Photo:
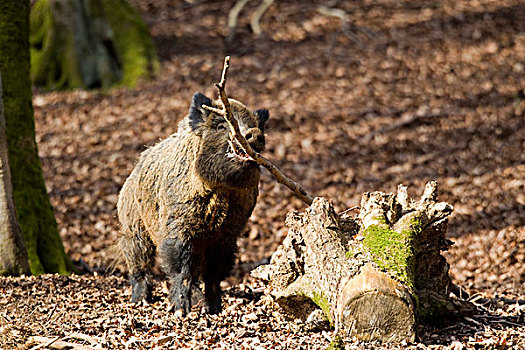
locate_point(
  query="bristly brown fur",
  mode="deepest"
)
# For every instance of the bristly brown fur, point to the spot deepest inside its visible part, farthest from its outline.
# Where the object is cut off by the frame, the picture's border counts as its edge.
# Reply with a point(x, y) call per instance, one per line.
point(187, 200)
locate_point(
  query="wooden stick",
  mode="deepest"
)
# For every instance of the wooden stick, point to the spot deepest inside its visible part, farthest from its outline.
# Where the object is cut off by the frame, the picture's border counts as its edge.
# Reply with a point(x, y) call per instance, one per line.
point(56, 343)
point(236, 133)
point(45, 342)
point(257, 14)
point(232, 19)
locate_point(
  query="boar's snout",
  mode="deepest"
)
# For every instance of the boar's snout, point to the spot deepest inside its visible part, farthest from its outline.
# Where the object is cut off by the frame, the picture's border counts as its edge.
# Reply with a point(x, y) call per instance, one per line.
point(255, 138)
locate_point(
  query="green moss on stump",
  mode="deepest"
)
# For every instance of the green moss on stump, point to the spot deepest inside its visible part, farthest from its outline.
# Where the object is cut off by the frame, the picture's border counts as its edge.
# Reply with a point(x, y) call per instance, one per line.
point(392, 251)
point(337, 343)
point(320, 300)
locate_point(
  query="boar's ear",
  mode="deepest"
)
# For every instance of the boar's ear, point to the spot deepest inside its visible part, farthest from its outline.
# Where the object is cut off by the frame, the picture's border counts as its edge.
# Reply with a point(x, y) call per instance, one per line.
point(197, 113)
point(263, 115)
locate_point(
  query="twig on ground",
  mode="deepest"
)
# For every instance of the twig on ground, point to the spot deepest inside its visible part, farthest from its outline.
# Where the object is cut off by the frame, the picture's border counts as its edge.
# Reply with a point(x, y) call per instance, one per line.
point(51, 313)
point(7, 318)
point(508, 323)
point(478, 299)
point(471, 320)
point(157, 340)
point(56, 343)
point(83, 337)
point(255, 19)
point(332, 12)
point(511, 301)
point(236, 134)
point(405, 120)
point(253, 264)
point(348, 28)
point(45, 342)
point(257, 14)
point(232, 19)
point(459, 292)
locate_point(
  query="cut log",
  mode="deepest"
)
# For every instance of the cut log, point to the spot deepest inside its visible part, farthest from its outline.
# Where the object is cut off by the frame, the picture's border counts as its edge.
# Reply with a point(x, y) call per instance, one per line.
point(375, 276)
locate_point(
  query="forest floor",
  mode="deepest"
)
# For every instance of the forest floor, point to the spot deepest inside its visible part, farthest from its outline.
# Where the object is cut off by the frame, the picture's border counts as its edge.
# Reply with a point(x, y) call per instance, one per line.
point(398, 92)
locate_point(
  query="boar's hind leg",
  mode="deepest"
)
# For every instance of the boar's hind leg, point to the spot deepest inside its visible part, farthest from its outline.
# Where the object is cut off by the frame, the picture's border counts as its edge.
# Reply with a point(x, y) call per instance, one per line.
point(139, 254)
point(175, 255)
point(218, 266)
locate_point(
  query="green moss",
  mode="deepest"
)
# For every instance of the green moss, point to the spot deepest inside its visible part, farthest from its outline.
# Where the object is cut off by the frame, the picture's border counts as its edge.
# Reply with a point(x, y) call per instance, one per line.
point(337, 343)
point(36, 217)
point(53, 58)
point(41, 24)
point(392, 251)
point(133, 41)
point(353, 250)
point(320, 300)
point(382, 220)
point(121, 50)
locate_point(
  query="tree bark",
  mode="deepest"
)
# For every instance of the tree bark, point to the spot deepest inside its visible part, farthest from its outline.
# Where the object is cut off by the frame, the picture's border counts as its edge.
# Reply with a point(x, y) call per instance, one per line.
point(373, 277)
point(13, 260)
point(35, 214)
point(89, 44)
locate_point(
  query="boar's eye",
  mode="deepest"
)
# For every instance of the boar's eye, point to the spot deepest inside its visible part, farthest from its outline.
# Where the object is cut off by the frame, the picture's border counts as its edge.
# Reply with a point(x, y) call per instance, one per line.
point(221, 126)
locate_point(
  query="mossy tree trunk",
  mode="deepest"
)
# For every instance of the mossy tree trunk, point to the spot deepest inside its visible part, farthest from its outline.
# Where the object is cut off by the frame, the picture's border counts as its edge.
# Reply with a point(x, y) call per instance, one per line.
point(35, 214)
point(13, 257)
point(373, 277)
point(89, 44)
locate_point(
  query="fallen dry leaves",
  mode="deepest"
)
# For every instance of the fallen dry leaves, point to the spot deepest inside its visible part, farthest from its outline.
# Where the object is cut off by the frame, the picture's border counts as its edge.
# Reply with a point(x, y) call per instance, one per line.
point(403, 92)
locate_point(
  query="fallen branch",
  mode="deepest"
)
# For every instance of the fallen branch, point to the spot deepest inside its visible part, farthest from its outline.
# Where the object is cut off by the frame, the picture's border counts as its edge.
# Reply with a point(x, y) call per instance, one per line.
point(56, 343)
point(83, 337)
point(257, 14)
point(332, 12)
point(255, 18)
point(404, 121)
point(236, 134)
point(232, 19)
point(157, 340)
point(44, 344)
point(348, 29)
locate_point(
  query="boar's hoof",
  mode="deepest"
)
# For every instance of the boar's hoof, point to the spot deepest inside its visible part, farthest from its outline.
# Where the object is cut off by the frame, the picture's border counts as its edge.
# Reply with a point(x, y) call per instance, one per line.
point(214, 308)
point(141, 290)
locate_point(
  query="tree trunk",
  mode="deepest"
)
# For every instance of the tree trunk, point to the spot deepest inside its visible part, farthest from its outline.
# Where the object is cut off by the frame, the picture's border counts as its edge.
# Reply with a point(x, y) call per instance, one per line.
point(13, 260)
point(89, 44)
point(373, 277)
point(35, 215)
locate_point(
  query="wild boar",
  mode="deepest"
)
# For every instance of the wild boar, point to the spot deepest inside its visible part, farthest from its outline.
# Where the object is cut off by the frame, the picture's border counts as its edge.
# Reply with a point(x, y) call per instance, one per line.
point(187, 201)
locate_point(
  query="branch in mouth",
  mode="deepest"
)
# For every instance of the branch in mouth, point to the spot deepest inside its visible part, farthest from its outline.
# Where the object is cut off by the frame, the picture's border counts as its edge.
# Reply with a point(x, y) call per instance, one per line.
point(235, 151)
point(236, 135)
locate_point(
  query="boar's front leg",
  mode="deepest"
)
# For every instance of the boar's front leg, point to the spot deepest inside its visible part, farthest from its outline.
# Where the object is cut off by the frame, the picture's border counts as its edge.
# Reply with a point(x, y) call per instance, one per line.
point(219, 262)
point(176, 259)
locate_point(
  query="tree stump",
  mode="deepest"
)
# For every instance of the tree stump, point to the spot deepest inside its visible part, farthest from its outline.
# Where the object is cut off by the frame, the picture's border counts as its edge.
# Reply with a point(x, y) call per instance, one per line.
point(373, 277)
